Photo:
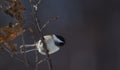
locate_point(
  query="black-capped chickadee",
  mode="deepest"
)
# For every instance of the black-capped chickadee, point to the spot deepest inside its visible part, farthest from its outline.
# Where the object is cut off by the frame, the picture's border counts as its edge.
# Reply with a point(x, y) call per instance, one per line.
point(53, 43)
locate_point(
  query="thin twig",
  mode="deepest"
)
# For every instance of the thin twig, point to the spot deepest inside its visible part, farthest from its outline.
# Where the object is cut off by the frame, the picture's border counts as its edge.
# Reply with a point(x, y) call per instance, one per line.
point(36, 53)
point(24, 54)
point(18, 58)
point(35, 10)
point(49, 21)
point(7, 49)
point(39, 62)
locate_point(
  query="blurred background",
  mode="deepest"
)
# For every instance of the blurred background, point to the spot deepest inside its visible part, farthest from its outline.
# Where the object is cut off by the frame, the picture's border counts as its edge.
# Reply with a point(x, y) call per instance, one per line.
point(90, 27)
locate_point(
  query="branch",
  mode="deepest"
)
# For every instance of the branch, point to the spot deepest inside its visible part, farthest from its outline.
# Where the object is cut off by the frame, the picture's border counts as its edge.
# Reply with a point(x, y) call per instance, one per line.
point(49, 21)
point(35, 10)
point(36, 53)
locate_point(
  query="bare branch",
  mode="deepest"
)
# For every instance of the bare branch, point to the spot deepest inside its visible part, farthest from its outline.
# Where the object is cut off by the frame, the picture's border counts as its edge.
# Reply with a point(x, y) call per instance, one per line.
point(48, 22)
point(37, 21)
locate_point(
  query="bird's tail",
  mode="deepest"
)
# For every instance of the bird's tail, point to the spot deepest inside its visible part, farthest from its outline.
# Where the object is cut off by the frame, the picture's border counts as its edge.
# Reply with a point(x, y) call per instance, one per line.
point(27, 46)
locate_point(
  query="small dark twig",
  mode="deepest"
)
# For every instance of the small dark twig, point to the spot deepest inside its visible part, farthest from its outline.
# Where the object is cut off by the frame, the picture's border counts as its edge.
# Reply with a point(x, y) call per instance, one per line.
point(49, 21)
point(36, 53)
point(24, 54)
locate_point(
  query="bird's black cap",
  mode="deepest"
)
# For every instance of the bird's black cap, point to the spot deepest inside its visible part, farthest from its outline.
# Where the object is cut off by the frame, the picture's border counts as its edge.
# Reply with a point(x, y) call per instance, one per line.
point(61, 38)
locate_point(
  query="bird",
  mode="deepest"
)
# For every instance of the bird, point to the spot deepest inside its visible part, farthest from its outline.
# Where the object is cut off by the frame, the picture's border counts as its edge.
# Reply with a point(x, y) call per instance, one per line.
point(53, 43)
